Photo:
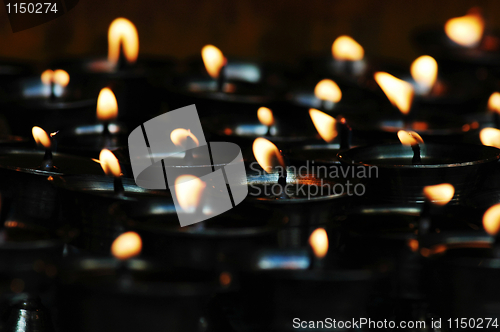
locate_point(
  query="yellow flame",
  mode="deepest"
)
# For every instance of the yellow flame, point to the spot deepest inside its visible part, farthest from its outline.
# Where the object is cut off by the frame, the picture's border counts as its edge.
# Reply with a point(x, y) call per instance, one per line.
point(41, 137)
point(107, 107)
point(319, 242)
point(61, 77)
point(409, 138)
point(490, 137)
point(109, 163)
point(126, 246)
point(325, 124)
point(439, 194)
point(491, 220)
point(265, 116)
point(47, 76)
point(465, 30)
point(213, 59)
point(399, 92)
point(179, 137)
point(189, 190)
point(122, 32)
point(346, 48)
point(328, 90)
point(424, 71)
point(267, 154)
point(494, 102)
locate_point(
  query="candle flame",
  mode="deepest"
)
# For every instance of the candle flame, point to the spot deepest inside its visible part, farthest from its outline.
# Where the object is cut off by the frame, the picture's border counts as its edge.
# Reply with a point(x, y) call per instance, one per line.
point(490, 137)
point(325, 124)
point(409, 138)
point(41, 137)
point(109, 163)
point(180, 136)
point(319, 242)
point(267, 154)
point(424, 71)
point(439, 194)
point(465, 30)
point(126, 246)
point(399, 92)
point(494, 102)
point(59, 77)
point(189, 190)
point(213, 59)
point(265, 116)
point(346, 48)
point(413, 245)
point(107, 107)
point(122, 32)
point(491, 220)
point(328, 90)
point(47, 76)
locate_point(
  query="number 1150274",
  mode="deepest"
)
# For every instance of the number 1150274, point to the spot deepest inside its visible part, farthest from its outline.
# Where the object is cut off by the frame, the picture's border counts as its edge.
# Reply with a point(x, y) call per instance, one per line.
point(31, 8)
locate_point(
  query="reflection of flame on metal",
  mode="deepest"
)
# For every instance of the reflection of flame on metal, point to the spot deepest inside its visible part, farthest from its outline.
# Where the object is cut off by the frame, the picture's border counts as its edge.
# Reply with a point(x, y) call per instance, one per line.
point(328, 90)
point(122, 32)
point(109, 163)
point(41, 137)
point(409, 138)
point(213, 59)
point(267, 154)
point(325, 124)
point(465, 30)
point(439, 194)
point(346, 48)
point(318, 240)
point(399, 92)
point(265, 116)
point(126, 246)
point(225, 279)
point(424, 71)
point(107, 106)
point(491, 220)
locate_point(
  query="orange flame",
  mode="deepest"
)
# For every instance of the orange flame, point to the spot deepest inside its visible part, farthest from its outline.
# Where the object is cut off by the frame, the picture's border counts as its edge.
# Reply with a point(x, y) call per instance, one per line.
point(319, 242)
point(126, 246)
point(490, 137)
point(265, 116)
point(107, 107)
point(188, 190)
point(494, 102)
point(59, 77)
point(399, 92)
point(491, 220)
point(109, 163)
point(179, 137)
point(413, 245)
point(41, 137)
point(424, 71)
point(325, 124)
point(267, 154)
point(213, 59)
point(47, 76)
point(328, 90)
point(465, 30)
point(346, 48)
point(122, 32)
point(409, 138)
point(439, 194)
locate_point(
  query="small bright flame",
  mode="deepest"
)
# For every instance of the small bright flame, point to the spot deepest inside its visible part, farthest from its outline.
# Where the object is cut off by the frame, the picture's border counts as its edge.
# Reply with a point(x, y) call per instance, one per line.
point(346, 48)
point(424, 71)
point(325, 124)
point(265, 116)
point(267, 154)
point(47, 76)
point(494, 102)
point(213, 59)
point(409, 138)
point(319, 242)
point(399, 92)
point(189, 190)
point(41, 137)
point(465, 30)
point(122, 32)
point(413, 245)
point(126, 246)
point(491, 220)
point(490, 137)
point(328, 90)
point(107, 107)
point(180, 136)
point(439, 194)
point(109, 163)
point(61, 77)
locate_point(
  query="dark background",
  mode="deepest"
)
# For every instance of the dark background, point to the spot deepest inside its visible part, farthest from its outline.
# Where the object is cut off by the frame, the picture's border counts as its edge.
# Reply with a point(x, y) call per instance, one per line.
point(262, 29)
